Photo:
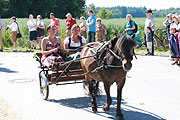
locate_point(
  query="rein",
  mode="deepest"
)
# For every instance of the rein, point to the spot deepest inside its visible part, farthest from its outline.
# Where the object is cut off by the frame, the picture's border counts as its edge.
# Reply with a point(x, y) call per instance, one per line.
point(100, 65)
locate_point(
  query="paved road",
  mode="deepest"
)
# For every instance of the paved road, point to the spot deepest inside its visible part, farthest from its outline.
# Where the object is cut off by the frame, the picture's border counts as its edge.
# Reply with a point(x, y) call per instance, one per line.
point(151, 92)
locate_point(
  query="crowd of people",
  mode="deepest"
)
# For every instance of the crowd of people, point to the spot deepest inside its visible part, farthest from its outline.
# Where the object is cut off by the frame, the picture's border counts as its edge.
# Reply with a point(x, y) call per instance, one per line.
point(172, 25)
point(76, 34)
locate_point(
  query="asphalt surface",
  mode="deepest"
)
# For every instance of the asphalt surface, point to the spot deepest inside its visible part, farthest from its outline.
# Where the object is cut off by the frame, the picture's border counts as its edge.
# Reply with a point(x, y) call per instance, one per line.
point(151, 92)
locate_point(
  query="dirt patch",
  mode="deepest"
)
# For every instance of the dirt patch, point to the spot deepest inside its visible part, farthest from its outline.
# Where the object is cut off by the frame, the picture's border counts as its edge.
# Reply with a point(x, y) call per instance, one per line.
point(6, 112)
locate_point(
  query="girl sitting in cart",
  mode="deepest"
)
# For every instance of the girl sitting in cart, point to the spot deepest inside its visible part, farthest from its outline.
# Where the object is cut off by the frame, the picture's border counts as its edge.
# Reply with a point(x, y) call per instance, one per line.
point(74, 42)
point(50, 47)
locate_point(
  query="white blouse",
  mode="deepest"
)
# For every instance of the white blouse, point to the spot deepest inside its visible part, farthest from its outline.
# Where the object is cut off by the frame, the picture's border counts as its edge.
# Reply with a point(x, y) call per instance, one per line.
point(72, 44)
point(30, 24)
point(13, 26)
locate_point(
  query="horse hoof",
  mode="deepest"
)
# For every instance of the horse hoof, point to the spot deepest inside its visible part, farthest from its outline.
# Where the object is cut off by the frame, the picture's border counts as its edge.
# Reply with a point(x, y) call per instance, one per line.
point(120, 118)
point(94, 109)
point(105, 108)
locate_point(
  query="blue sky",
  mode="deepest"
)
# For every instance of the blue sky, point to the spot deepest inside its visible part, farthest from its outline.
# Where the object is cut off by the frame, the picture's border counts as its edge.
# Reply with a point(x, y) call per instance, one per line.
point(150, 4)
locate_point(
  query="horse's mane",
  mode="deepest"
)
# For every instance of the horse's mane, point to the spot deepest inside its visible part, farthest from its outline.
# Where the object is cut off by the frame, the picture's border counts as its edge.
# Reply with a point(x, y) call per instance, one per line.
point(124, 41)
point(127, 42)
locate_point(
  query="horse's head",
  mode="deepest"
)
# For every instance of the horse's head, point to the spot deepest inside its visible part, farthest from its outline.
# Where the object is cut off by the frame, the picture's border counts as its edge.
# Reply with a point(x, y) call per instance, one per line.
point(124, 48)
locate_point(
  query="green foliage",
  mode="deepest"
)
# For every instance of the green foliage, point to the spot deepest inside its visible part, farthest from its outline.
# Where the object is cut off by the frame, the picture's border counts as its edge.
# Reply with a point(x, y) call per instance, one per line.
point(104, 14)
point(92, 7)
point(22, 8)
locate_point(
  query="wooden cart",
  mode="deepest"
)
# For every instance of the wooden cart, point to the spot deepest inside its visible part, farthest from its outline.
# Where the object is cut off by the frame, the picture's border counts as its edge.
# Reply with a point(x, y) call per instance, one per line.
point(68, 72)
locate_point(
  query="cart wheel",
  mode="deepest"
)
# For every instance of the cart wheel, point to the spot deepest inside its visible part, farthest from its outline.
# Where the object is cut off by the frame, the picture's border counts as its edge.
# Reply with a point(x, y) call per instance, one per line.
point(44, 87)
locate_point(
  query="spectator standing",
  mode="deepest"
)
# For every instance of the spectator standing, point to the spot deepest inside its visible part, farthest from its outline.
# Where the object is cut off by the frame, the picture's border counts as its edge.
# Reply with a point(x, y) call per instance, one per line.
point(55, 21)
point(130, 25)
point(69, 23)
point(32, 31)
point(149, 32)
point(167, 23)
point(1, 28)
point(101, 30)
point(91, 22)
point(174, 43)
point(83, 27)
point(14, 29)
point(40, 30)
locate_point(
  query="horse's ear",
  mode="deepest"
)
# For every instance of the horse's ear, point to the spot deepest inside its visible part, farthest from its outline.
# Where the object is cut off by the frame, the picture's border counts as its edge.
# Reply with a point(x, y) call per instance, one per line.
point(133, 35)
point(116, 34)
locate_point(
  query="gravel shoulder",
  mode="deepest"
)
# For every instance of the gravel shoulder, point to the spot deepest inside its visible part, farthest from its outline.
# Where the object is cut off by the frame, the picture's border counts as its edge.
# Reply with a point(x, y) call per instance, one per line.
point(6, 112)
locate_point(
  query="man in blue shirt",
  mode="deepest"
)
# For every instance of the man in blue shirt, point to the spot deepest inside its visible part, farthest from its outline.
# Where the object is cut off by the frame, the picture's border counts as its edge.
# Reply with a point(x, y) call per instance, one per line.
point(91, 22)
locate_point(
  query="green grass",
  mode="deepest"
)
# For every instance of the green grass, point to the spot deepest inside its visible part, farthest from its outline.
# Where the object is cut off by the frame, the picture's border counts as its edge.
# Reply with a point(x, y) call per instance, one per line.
point(113, 26)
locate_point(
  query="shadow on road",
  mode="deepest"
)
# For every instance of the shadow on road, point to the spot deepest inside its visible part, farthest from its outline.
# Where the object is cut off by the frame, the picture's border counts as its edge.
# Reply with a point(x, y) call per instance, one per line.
point(7, 70)
point(129, 114)
point(22, 80)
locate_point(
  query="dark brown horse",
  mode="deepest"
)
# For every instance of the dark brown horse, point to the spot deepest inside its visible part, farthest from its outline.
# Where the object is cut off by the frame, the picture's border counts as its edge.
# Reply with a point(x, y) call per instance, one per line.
point(112, 64)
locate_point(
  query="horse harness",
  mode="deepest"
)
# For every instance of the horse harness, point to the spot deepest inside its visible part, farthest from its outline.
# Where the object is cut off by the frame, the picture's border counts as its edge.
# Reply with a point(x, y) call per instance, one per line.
point(101, 60)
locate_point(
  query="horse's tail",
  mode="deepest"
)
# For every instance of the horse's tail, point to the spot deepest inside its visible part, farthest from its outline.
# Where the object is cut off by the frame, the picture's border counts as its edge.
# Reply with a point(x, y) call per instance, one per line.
point(96, 90)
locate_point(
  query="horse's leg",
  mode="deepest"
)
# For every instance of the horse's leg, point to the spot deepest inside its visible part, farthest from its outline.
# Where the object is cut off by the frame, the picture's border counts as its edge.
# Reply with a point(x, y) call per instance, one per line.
point(96, 87)
point(108, 97)
point(119, 115)
point(92, 94)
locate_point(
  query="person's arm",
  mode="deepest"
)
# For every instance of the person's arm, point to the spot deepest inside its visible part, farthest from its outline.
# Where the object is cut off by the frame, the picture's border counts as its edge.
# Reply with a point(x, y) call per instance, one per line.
point(66, 42)
point(152, 24)
point(43, 46)
point(75, 21)
point(42, 27)
point(91, 23)
point(67, 24)
point(133, 27)
point(58, 24)
point(28, 24)
point(83, 41)
point(105, 30)
point(164, 23)
point(60, 42)
point(2, 25)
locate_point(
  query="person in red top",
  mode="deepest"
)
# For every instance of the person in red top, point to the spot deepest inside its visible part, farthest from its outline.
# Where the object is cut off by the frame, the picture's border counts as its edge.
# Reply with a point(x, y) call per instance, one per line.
point(55, 21)
point(69, 23)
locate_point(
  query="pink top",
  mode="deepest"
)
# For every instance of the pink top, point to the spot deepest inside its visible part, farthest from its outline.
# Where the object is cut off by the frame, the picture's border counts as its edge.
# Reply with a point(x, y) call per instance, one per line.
point(50, 46)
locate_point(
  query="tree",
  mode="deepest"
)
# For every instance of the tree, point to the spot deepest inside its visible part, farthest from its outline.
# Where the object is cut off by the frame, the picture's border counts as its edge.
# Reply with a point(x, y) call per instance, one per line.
point(109, 14)
point(22, 8)
point(3, 7)
point(92, 7)
point(104, 14)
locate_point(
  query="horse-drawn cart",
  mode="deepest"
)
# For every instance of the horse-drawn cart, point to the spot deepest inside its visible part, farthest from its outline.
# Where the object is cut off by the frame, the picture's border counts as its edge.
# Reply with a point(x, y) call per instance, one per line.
point(60, 73)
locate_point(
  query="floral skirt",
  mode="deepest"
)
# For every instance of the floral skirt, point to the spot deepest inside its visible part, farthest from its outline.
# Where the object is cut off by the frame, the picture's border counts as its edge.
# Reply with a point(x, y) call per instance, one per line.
point(50, 60)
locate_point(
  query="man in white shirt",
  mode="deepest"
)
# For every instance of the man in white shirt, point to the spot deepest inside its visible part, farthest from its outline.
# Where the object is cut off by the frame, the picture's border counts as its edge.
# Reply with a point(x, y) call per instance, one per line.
point(1, 28)
point(14, 29)
point(149, 32)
